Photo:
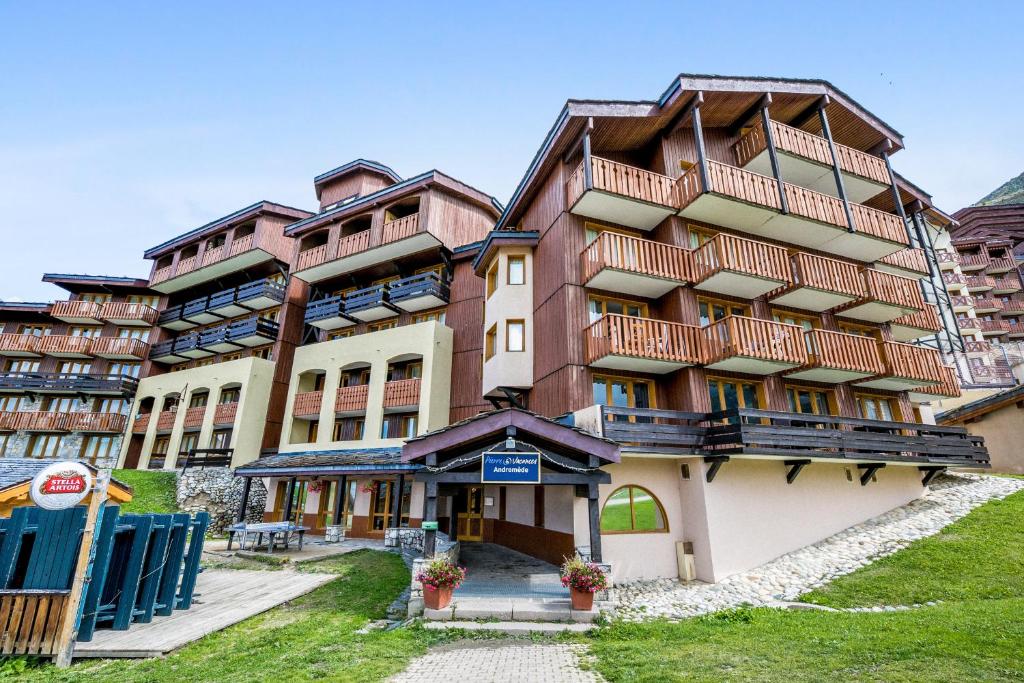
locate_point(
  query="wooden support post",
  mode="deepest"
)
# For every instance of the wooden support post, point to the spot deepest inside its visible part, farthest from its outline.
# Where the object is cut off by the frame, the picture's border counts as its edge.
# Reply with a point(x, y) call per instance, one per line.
point(289, 493)
point(869, 471)
point(339, 498)
point(837, 172)
point(430, 515)
point(396, 502)
point(698, 139)
point(773, 156)
point(795, 467)
point(246, 487)
point(896, 199)
point(594, 513)
point(588, 168)
point(73, 610)
point(716, 463)
point(929, 474)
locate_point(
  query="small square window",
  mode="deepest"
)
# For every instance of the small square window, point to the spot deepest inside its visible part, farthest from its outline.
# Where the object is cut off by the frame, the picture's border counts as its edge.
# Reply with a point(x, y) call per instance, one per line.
point(517, 270)
point(515, 335)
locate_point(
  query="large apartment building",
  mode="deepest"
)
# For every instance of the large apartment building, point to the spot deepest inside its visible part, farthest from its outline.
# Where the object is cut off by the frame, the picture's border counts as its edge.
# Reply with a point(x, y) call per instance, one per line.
point(715, 320)
point(70, 368)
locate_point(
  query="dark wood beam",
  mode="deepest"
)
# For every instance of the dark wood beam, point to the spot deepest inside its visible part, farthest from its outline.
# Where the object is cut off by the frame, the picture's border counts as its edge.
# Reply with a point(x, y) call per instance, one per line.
point(339, 498)
point(702, 155)
point(679, 120)
point(588, 168)
point(598, 477)
point(594, 514)
point(716, 462)
point(773, 155)
point(587, 128)
point(837, 173)
point(929, 474)
point(748, 115)
point(869, 471)
point(246, 486)
point(896, 198)
point(288, 493)
point(795, 467)
point(810, 112)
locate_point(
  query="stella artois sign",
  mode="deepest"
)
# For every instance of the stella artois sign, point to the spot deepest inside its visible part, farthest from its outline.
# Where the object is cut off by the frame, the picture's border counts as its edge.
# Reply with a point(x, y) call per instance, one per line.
point(61, 485)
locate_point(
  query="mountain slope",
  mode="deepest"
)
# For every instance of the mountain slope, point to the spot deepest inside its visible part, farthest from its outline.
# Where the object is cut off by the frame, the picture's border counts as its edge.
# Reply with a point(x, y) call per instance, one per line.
point(1010, 192)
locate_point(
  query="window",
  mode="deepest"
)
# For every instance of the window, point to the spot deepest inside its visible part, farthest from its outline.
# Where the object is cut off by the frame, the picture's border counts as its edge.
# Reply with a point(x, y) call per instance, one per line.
point(221, 438)
point(593, 231)
point(35, 330)
point(23, 366)
point(133, 333)
point(517, 270)
point(631, 510)
point(266, 353)
point(355, 378)
point(4, 438)
point(189, 442)
point(713, 310)
point(198, 400)
point(699, 237)
point(312, 431)
point(380, 504)
point(800, 320)
point(144, 300)
point(599, 306)
point(339, 334)
point(87, 332)
point(492, 278)
point(876, 407)
point(124, 369)
point(348, 429)
point(113, 405)
point(398, 426)
point(411, 370)
point(808, 401)
point(731, 394)
point(74, 368)
point(861, 330)
point(437, 314)
point(623, 393)
point(409, 426)
point(161, 444)
point(385, 325)
point(230, 395)
point(491, 342)
point(95, 298)
point(62, 405)
point(43, 446)
point(97, 448)
point(515, 335)
point(12, 404)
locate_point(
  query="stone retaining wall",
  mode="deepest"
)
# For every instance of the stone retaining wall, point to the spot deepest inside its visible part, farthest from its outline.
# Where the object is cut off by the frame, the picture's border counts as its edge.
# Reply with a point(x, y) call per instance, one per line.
point(219, 492)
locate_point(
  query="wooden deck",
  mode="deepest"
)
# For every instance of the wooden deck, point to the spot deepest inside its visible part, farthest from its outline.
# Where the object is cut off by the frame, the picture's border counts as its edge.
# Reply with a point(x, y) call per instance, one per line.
point(223, 597)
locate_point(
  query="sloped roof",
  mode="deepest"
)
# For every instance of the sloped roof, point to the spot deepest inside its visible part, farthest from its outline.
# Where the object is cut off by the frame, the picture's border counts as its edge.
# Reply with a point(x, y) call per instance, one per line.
point(15, 472)
point(981, 406)
point(341, 461)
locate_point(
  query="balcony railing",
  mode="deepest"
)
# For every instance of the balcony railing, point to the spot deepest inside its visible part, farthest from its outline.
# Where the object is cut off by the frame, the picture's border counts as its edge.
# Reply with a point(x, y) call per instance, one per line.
point(638, 257)
point(911, 362)
point(954, 279)
point(1014, 305)
point(165, 419)
point(402, 393)
point(307, 404)
point(257, 295)
point(211, 256)
point(961, 302)
point(974, 261)
point(994, 327)
point(1001, 265)
point(328, 314)
point(949, 387)
point(12, 344)
point(887, 297)
point(839, 357)
point(739, 256)
point(128, 314)
point(947, 259)
point(354, 243)
point(370, 303)
point(419, 292)
point(351, 399)
point(745, 344)
point(97, 422)
point(68, 383)
point(971, 346)
point(620, 179)
point(225, 413)
point(125, 348)
point(925, 319)
point(141, 423)
point(400, 228)
point(820, 283)
point(76, 311)
point(1006, 284)
point(987, 305)
point(668, 345)
point(63, 346)
point(912, 260)
point(194, 416)
point(46, 421)
point(791, 435)
point(980, 283)
point(968, 324)
point(313, 256)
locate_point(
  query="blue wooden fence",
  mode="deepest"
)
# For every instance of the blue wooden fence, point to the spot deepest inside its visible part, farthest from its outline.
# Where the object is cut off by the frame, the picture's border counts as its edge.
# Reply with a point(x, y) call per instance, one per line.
point(145, 565)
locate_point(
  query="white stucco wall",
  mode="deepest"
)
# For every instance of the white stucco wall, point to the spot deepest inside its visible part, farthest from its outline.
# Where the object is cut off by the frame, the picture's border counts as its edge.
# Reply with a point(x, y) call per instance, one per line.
point(510, 302)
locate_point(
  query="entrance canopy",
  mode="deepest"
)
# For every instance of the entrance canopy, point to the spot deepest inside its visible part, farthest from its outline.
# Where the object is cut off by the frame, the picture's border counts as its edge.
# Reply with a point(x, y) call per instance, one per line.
point(325, 463)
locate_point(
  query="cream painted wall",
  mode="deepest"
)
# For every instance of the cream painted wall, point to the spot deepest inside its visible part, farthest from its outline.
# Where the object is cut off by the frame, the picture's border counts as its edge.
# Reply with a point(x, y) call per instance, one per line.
point(1003, 430)
point(254, 375)
point(510, 302)
point(754, 516)
point(431, 340)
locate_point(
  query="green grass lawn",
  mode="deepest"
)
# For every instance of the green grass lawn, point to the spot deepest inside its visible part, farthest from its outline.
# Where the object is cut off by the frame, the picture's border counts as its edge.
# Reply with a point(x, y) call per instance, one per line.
point(153, 491)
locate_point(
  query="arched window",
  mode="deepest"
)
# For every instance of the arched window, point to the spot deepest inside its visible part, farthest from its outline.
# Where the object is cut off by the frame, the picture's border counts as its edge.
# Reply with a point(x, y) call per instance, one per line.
point(632, 509)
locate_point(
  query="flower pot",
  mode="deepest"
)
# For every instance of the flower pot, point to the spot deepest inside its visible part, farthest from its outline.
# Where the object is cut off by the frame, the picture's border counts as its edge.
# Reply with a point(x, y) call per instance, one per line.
point(581, 600)
point(440, 598)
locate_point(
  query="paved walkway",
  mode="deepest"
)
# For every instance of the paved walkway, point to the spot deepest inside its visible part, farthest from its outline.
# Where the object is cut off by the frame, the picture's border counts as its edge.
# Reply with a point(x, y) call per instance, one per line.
point(500, 662)
point(494, 570)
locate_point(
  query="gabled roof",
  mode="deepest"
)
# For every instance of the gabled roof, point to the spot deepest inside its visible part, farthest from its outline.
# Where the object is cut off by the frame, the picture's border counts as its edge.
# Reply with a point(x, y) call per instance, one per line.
point(16, 472)
point(241, 216)
point(393, 192)
point(631, 125)
point(342, 461)
point(982, 406)
point(502, 238)
point(352, 166)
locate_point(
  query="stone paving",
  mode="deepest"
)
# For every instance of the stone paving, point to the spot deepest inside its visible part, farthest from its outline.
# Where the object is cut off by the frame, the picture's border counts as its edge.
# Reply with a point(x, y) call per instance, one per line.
point(950, 497)
point(500, 661)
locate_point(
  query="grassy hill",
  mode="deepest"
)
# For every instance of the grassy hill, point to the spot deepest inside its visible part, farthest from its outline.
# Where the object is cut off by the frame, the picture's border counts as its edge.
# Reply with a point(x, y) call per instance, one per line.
point(1010, 192)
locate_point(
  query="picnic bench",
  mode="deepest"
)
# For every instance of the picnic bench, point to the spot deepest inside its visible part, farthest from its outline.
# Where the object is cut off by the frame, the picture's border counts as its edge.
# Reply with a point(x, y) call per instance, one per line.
point(276, 533)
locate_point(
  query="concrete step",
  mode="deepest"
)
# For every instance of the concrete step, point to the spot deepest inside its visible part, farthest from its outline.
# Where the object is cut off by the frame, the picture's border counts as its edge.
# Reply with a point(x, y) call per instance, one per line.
point(509, 627)
point(505, 609)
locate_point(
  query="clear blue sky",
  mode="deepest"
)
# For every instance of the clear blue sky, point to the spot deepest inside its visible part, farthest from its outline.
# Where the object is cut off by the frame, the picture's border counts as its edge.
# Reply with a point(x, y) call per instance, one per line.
point(122, 125)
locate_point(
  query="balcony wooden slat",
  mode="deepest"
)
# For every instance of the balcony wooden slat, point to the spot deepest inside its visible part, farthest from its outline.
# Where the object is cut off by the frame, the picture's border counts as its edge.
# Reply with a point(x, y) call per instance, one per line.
point(738, 254)
point(740, 336)
point(1007, 283)
point(307, 404)
point(129, 311)
point(400, 228)
point(165, 419)
point(886, 226)
point(351, 399)
point(908, 259)
point(619, 335)
point(635, 255)
point(993, 326)
point(925, 319)
point(815, 206)
point(403, 392)
point(194, 416)
point(831, 275)
point(19, 343)
point(911, 361)
point(892, 289)
point(224, 413)
point(76, 309)
point(312, 257)
point(55, 344)
point(240, 245)
point(862, 164)
point(354, 243)
point(97, 422)
point(842, 351)
point(213, 255)
point(141, 423)
point(120, 346)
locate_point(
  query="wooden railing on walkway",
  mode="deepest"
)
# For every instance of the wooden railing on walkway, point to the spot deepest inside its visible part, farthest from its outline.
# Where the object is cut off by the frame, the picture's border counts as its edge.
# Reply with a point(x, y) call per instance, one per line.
point(621, 179)
point(635, 255)
point(842, 351)
point(768, 340)
point(620, 335)
point(402, 392)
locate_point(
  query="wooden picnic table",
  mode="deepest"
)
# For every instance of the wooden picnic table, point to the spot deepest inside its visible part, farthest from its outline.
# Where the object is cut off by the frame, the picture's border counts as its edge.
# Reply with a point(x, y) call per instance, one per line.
point(272, 530)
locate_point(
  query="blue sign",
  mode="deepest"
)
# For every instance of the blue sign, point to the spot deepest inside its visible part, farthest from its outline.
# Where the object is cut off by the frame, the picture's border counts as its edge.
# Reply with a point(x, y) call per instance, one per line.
point(510, 468)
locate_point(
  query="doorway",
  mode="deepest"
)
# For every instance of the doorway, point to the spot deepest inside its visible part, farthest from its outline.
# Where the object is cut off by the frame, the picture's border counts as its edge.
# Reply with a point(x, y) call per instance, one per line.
point(470, 507)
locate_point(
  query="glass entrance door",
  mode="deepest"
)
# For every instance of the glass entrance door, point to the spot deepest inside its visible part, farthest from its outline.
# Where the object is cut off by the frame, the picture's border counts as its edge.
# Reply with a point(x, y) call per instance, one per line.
point(471, 519)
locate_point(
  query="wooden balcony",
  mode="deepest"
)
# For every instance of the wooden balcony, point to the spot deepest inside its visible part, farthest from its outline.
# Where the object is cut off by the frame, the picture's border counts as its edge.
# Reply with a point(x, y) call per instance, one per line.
point(1014, 305)
point(820, 283)
point(8, 421)
point(974, 262)
point(948, 260)
point(630, 265)
point(19, 345)
point(42, 421)
point(968, 324)
point(120, 348)
point(835, 357)
point(906, 367)
point(998, 266)
point(402, 394)
point(401, 237)
point(110, 423)
point(908, 262)
point(949, 387)
point(77, 312)
point(643, 345)
point(979, 283)
point(961, 304)
point(129, 315)
point(1008, 284)
point(328, 314)
point(141, 423)
point(987, 305)
point(759, 347)
point(976, 348)
point(419, 292)
point(993, 328)
point(1014, 328)
point(887, 297)
point(620, 194)
point(351, 400)
point(165, 420)
point(740, 267)
point(241, 253)
point(955, 281)
point(307, 404)
point(60, 346)
point(750, 202)
point(924, 323)
point(805, 159)
point(194, 417)
point(224, 413)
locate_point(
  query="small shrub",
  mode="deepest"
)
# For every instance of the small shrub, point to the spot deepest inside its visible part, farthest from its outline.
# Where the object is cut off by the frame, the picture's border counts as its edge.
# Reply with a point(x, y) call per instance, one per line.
point(582, 576)
point(737, 615)
point(441, 573)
